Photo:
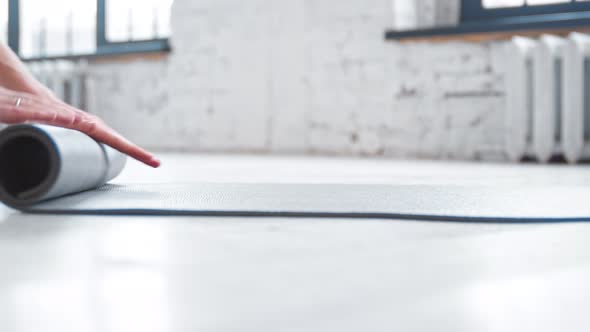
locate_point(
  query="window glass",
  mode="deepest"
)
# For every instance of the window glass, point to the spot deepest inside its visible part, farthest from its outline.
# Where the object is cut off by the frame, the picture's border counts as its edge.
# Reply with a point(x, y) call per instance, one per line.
point(520, 3)
point(130, 20)
point(4, 21)
point(545, 2)
point(57, 27)
point(502, 3)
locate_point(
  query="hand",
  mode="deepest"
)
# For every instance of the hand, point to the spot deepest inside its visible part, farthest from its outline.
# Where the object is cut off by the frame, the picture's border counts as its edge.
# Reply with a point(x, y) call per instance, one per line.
point(21, 107)
point(24, 99)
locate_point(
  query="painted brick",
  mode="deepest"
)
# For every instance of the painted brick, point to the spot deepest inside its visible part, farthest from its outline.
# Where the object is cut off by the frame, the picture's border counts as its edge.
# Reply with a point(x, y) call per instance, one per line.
point(306, 76)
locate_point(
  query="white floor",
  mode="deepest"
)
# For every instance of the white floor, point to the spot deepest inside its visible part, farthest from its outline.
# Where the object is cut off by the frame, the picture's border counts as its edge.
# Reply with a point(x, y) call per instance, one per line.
point(69, 273)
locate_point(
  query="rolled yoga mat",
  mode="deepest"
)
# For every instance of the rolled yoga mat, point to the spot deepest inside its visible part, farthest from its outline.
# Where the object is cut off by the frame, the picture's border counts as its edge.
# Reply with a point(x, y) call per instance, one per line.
point(50, 170)
point(39, 162)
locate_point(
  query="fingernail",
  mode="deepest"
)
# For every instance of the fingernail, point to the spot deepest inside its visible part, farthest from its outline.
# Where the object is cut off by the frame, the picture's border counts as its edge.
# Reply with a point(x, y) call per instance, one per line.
point(155, 162)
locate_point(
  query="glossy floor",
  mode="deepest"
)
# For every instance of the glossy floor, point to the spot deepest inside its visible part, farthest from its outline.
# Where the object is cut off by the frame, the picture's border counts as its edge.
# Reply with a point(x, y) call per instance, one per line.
point(69, 273)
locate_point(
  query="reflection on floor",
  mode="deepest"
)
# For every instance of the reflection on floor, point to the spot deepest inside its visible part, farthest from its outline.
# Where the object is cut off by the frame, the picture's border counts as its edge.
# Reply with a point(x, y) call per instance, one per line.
point(68, 273)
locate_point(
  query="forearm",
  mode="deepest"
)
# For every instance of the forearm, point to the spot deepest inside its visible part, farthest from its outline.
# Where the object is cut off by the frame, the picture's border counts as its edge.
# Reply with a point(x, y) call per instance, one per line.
point(15, 76)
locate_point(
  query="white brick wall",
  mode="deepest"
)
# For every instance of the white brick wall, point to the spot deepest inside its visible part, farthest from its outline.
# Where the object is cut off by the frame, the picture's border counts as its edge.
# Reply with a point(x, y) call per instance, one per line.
point(306, 76)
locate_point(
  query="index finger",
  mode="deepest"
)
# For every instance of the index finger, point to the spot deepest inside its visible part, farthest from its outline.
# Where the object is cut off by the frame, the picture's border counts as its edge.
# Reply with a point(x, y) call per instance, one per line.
point(98, 130)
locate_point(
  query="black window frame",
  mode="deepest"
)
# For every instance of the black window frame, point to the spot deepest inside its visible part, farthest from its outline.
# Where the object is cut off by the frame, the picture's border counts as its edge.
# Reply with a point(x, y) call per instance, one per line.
point(104, 47)
point(475, 18)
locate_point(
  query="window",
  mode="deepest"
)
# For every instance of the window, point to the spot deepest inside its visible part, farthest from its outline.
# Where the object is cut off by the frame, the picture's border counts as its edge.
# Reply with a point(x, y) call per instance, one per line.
point(70, 28)
point(56, 28)
point(519, 3)
point(504, 18)
point(4, 21)
point(527, 10)
point(137, 20)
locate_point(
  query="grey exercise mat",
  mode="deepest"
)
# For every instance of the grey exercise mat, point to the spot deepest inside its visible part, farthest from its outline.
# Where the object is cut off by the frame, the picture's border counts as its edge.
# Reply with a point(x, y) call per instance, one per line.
point(51, 170)
point(39, 162)
point(330, 200)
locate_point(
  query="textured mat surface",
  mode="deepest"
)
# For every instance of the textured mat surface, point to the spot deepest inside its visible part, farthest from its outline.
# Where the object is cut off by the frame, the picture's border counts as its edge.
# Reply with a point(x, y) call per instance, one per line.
point(461, 203)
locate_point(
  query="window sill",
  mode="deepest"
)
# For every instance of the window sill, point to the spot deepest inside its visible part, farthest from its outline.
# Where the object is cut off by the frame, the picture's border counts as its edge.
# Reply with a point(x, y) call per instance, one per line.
point(499, 29)
point(111, 51)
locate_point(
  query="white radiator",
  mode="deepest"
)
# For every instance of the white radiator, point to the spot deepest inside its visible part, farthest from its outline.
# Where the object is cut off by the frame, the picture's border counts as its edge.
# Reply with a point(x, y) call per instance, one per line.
point(548, 109)
point(71, 81)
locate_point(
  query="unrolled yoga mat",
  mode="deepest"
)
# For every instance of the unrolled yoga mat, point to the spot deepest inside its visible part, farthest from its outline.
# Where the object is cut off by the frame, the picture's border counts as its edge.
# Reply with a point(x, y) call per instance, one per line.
point(65, 165)
point(330, 200)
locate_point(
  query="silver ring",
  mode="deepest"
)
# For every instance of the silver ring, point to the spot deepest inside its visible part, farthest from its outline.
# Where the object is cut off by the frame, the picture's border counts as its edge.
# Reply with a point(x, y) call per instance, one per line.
point(18, 102)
